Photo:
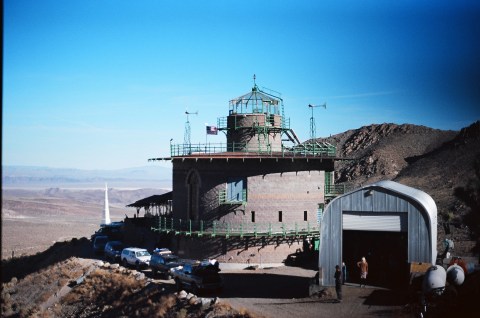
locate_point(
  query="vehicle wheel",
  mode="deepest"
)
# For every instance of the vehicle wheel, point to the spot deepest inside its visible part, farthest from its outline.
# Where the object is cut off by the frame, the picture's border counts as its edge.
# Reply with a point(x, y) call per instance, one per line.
point(154, 272)
point(124, 262)
point(137, 266)
point(179, 284)
point(194, 289)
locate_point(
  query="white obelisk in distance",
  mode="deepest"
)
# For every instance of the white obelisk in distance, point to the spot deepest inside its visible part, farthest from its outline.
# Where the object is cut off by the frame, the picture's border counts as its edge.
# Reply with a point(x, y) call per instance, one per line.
point(106, 210)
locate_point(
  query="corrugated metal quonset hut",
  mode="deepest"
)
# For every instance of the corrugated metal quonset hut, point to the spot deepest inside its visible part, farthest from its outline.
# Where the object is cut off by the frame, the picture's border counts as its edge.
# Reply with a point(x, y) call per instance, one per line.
point(388, 223)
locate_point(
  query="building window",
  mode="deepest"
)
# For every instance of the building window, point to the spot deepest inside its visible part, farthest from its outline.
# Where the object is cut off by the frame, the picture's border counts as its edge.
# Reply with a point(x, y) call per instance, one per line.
point(253, 216)
point(280, 219)
point(305, 215)
point(236, 190)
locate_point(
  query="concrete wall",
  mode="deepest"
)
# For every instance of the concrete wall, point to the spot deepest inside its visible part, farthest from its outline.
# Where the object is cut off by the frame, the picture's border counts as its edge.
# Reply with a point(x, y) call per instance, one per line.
point(247, 250)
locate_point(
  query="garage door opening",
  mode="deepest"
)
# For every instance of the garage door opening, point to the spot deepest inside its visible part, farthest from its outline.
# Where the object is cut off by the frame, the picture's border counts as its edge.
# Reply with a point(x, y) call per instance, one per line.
point(386, 254)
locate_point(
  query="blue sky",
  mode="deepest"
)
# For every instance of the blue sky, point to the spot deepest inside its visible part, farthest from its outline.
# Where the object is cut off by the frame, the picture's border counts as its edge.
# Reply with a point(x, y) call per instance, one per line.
point(105, 84)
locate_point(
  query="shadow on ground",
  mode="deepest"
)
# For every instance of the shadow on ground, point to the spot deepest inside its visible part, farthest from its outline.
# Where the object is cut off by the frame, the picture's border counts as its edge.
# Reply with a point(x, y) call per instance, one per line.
point(265, 285)
point(383, 297)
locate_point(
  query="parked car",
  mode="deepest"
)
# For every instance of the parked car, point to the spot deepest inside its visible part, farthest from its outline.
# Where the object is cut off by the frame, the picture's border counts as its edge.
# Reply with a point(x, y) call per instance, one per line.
point(138, 257)
point(198, 276)
point(113, 250)
point(163, 261)
point(99, 244)
point(114, 231)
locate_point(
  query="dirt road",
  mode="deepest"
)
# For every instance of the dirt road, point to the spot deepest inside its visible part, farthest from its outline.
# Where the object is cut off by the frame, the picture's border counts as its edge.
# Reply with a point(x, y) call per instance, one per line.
point(283, 292)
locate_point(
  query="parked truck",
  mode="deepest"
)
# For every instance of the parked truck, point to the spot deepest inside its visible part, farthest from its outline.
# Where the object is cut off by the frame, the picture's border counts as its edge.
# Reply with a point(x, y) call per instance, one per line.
point(197, 276)
point(163, 261)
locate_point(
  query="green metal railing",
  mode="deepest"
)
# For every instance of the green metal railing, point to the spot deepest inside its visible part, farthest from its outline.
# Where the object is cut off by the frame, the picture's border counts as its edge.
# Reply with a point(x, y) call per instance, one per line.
point(227, 229)
point(303, 150)
point(334, 190)
point(224, 199)
point(222, 124)
point(316, 149)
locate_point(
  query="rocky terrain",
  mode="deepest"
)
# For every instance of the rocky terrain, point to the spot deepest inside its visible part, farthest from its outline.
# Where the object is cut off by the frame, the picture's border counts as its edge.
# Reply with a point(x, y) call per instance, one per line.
point(431, 160)
point(381, 152)
point(62, 284)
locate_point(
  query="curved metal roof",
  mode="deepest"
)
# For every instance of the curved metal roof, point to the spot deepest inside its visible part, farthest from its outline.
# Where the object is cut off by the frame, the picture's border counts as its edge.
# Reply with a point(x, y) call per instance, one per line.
point(393, 198)
point(419, 196)
point(416, 195)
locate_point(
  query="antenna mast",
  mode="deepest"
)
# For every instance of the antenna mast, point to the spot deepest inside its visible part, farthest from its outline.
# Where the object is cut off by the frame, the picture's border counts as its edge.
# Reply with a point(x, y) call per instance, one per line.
point(186, 137)
point(313, 129)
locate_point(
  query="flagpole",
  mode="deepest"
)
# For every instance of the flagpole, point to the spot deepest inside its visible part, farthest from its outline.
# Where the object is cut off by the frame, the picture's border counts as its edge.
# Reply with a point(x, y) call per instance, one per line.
point(206, 136)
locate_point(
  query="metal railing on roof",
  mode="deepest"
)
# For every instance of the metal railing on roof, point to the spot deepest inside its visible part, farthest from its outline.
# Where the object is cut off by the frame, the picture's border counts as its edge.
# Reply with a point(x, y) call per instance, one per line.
point(302, 150)
point(222, 124)
point(238, 229)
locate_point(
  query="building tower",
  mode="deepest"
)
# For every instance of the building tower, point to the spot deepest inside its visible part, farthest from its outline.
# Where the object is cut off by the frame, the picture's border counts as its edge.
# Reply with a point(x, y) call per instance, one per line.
point(256, 123)
point(255, 198)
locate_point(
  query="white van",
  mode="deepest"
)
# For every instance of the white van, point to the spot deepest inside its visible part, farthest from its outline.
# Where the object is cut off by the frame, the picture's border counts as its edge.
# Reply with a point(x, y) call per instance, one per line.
point(138, 257)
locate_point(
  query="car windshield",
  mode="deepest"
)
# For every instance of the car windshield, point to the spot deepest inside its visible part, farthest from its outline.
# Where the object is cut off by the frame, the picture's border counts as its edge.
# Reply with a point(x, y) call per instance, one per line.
point(142, 253)
point(117, 246)
point(171, 259)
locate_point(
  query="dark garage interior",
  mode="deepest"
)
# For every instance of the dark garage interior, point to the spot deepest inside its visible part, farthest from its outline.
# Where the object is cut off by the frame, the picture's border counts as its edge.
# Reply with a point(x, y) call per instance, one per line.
point(386, 254)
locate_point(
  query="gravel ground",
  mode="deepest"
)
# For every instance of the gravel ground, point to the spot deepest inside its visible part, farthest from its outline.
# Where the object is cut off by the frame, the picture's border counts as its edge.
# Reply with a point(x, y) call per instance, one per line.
point(283, 292)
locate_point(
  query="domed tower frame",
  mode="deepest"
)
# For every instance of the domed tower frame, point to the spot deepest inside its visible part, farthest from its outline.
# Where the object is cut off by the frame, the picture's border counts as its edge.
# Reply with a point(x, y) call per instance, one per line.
point(256, 123)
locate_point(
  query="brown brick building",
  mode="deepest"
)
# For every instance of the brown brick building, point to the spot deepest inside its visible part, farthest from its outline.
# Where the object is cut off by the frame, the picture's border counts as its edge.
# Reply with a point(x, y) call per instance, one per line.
point(255, 199)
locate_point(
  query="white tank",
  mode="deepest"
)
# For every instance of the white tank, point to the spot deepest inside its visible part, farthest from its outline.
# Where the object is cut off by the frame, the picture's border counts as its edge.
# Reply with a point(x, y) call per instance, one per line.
point(455, 275)
point(435, 279)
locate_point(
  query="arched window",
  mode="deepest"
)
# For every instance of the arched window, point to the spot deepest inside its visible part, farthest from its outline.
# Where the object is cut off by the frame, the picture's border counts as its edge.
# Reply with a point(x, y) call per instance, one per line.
point(193, 189)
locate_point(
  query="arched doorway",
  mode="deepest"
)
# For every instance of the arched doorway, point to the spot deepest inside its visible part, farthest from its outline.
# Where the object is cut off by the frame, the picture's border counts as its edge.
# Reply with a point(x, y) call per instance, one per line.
point(193, 189)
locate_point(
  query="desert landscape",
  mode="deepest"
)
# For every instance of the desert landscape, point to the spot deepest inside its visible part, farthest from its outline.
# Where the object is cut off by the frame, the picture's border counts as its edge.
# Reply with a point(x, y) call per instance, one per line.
point(47, 229)
point(431, 160)
point(34, 219)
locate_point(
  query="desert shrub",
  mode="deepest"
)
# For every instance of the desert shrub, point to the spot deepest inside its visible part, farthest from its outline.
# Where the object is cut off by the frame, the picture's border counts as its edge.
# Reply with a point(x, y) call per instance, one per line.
point(182, 313)
point(22, 266)
point(164, 305)
point(470, 195)
point(223, 309)
point(23, 297)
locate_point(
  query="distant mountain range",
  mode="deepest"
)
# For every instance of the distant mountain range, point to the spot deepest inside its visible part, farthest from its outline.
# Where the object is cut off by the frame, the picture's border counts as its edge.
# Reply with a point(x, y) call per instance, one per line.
point(46, 177)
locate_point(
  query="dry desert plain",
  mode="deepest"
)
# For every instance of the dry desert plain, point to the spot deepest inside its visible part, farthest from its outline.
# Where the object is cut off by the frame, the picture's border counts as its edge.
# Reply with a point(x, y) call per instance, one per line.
point(34, 219)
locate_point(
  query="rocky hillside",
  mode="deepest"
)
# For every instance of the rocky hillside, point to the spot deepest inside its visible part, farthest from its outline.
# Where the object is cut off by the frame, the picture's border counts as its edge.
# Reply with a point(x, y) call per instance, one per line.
point(440, 171)
point(62, 285)
point(380, 151)
point(434, 161)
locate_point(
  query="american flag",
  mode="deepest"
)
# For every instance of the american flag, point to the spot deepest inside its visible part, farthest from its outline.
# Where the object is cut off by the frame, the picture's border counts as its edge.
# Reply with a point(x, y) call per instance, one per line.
point(212, 130)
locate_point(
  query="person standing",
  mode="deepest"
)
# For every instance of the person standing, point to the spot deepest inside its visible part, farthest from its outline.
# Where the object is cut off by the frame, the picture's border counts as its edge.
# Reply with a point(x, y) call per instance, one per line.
point(363, 265)
point(338, 283)
point(344, 273)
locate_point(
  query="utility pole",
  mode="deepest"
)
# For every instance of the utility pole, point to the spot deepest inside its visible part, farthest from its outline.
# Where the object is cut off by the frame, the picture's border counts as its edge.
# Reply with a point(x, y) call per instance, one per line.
point(186, 137)
point(313, 129)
